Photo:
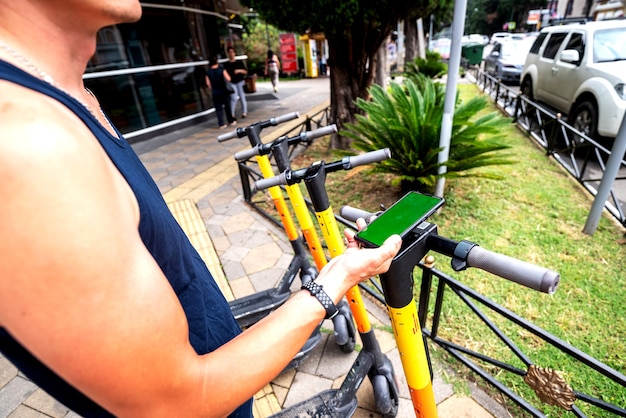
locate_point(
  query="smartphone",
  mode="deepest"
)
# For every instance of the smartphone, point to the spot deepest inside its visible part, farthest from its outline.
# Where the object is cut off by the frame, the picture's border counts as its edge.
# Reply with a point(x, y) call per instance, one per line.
point(401, 217)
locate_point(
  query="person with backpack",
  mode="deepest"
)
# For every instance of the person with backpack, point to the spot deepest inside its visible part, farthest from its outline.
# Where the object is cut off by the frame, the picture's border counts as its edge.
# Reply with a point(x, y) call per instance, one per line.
point(217, 80)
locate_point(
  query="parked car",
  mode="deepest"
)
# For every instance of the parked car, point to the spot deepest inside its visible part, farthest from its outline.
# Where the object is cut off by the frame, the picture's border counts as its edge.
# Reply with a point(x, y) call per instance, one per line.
point(580, 70)
point(506, 60)
point(499, 37)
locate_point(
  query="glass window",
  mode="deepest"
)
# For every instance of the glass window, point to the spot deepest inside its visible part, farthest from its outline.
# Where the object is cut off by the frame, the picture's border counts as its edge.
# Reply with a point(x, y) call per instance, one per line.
point(178, 38)
point(554, 42)
point(577, 43)
point(609, 45)
point(137, 101)
point(537, 44)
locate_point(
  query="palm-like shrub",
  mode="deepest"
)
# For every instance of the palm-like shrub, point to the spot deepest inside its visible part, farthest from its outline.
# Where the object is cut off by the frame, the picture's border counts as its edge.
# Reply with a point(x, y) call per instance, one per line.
point(431, 66)
point(407, 120)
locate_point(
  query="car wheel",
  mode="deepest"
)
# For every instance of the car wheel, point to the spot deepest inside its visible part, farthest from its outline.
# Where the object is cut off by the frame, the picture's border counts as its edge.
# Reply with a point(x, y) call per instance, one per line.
point(527, 88)
point(584, 118)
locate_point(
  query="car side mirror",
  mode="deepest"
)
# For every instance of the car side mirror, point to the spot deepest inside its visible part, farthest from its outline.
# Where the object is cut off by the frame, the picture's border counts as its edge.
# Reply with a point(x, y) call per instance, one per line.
point(570, 55)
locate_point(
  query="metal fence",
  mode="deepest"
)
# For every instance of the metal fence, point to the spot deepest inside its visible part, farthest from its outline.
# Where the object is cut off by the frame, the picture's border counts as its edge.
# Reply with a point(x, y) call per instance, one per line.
point(582, 157)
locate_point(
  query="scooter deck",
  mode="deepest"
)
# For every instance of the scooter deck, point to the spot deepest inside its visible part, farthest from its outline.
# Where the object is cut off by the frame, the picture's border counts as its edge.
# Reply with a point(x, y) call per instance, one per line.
point(249, 310)
point(321, 405)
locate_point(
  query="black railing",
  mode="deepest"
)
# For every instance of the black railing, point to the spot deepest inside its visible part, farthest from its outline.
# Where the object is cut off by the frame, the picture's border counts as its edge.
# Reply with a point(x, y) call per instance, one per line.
point(584, 158)
point(550, 386)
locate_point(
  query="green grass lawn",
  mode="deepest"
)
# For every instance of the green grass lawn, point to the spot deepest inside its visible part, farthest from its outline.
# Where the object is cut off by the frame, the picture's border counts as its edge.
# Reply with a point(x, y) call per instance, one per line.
point(536, 213)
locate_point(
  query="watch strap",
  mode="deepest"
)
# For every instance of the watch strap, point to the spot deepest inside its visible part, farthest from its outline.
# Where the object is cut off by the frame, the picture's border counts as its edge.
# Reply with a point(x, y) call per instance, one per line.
point(317, 291)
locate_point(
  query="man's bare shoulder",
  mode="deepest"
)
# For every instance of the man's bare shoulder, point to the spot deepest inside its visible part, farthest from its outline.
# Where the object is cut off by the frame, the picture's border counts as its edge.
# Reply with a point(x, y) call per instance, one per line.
point(64, 197)
point(36, 126)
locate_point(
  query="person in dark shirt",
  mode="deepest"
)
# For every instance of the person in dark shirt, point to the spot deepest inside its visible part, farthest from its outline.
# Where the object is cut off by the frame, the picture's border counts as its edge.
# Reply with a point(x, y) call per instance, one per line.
point(237, 71)
point(218, 81)
point(103, 300)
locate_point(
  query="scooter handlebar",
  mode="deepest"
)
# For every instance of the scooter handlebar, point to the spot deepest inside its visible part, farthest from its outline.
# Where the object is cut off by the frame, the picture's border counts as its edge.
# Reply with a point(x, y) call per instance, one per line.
point(518, 271)
point(247, 154)
point(241, 132)
point(326, 130)
point(303, 137)
point(367, 158)
point(285, 118)
point(227, 136)
point(278, 180)
point(352, 214)
point(527, 274)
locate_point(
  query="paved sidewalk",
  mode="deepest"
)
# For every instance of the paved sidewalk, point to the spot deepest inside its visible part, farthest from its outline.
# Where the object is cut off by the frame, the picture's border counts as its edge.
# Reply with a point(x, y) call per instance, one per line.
point(247, 253)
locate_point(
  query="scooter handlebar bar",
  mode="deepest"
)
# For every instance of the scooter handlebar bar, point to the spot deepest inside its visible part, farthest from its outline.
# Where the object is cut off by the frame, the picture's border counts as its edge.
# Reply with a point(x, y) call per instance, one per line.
point(303, 137)
point(285, 118)
point(352, 214)
point(518, 271)
point(326, 130)
point(291, 176)
point(229, 135)
point(247, 154)
point(527, 274)
point(278, 180)
point(367, 158)
point(241, 132)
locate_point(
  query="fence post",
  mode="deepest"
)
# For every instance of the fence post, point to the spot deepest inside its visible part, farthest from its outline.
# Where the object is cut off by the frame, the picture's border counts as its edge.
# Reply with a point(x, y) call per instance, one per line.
point(610, 173)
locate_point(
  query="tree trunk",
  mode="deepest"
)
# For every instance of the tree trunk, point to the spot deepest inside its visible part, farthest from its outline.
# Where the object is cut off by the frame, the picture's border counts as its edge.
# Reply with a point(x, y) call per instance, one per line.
point(351, 74)
point(410, 40)
point(381, 67)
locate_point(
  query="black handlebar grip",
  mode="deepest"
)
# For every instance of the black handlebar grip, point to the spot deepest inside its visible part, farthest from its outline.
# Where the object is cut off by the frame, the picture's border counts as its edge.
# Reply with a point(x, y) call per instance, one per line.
point(326, 130)
point(367, 158)
point(247, 154)
point(227, 136)
point(352, 214)
point(530, 275)
point(285, 118)
point(271, 182)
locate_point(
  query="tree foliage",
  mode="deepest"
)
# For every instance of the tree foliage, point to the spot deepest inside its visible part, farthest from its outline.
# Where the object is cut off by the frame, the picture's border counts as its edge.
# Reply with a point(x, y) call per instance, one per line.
point(489, 16)
point(257, 39)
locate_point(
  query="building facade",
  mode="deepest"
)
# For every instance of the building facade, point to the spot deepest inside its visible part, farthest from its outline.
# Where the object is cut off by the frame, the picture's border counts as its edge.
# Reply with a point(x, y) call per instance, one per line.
point(149, 75)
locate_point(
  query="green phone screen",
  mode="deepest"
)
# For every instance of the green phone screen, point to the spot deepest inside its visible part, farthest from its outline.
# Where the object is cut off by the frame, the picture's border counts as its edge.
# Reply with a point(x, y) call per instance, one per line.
point(412, 209)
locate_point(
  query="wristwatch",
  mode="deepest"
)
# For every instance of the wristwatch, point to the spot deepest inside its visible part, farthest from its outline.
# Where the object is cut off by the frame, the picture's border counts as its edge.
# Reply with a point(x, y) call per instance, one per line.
point(317, 291)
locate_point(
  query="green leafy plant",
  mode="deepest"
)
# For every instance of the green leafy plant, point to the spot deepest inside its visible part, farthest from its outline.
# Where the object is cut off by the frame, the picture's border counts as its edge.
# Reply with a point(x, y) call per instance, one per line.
point(407, 120)
point(431, 66)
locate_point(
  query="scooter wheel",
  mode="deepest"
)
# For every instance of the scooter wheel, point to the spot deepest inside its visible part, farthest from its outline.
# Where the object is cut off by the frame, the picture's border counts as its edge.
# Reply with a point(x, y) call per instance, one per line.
point(349, 346)
point(386, 401)
point(344, 338)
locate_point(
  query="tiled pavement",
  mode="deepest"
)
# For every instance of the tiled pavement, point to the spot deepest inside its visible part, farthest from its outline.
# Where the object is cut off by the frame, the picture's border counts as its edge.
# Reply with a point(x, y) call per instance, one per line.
point(247, 253)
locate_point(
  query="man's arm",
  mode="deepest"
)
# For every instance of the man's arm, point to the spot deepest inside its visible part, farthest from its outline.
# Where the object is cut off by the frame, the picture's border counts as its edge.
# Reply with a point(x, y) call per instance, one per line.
point(81, 292)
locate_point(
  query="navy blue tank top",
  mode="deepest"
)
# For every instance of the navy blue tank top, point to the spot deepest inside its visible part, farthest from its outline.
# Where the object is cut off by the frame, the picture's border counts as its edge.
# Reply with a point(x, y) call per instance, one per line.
point(211, 323)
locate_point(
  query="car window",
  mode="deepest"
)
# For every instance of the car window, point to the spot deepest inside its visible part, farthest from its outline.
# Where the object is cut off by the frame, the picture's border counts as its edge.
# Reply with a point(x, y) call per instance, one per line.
point(577, 42)
point(609, 45)
point(515, 50)
point(553, 44)
point(537, 44)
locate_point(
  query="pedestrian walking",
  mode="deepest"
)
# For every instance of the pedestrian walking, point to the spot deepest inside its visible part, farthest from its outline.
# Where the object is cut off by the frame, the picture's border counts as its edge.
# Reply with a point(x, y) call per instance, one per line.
point(237, 71)
point(217, 80)
point(272, 68)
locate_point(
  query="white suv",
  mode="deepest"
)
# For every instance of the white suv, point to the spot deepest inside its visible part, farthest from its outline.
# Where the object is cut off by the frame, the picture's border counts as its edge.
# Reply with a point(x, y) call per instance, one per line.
point(580, 70)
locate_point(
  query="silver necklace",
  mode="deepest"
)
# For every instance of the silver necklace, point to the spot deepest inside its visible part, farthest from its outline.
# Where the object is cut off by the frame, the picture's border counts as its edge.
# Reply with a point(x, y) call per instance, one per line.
point(48, 79)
